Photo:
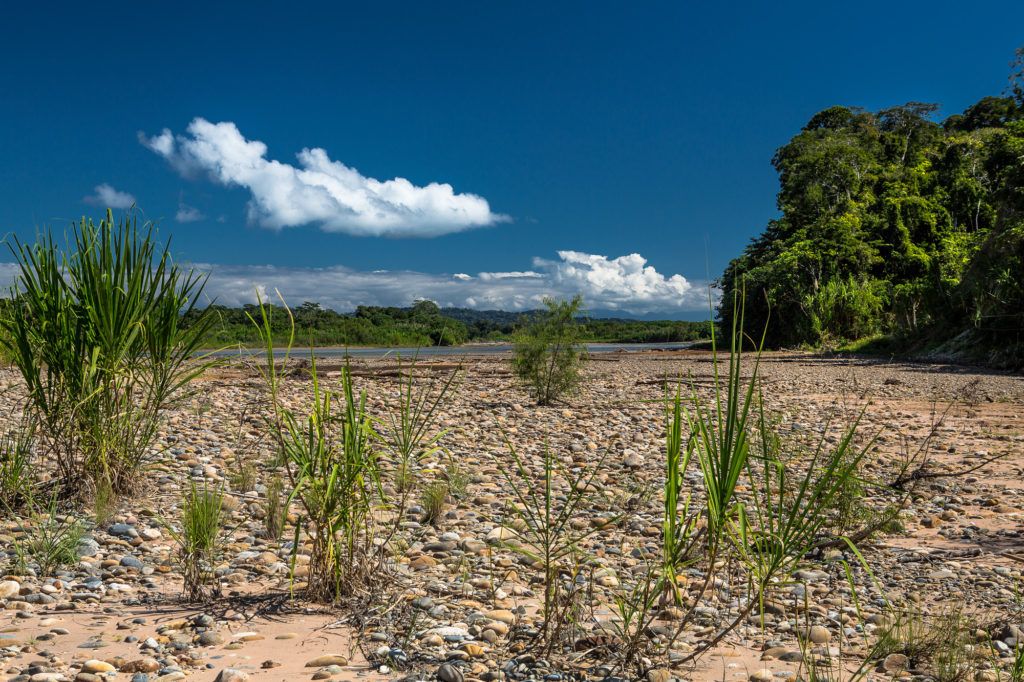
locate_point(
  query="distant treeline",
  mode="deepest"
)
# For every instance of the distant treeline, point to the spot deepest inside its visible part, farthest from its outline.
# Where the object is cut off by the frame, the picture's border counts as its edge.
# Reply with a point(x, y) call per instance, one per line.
point(896, 224)
point(425, 324)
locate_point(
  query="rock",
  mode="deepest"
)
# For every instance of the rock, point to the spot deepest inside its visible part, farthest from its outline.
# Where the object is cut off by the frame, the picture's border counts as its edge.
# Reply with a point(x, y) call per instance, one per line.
point(762, 675)
point(327, 659)
point(128, 561)
point(818, 634)
point(421, 562)
point(96, 666)
point(210, 638)
point(449, 673)
point(87, 547)
point(659, 675)
point(448, 632)
point(502, 616)
point(231, 675)
point(9, 588)
point(141, 665)
point(895, 663)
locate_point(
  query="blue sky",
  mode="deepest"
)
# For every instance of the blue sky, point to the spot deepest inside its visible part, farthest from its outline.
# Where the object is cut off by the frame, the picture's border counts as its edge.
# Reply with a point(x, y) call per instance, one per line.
point(572, 135)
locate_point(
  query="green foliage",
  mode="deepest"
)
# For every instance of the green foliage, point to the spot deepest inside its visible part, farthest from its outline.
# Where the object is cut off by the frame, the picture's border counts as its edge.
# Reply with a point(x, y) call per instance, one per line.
point(201, 539)
point(96, 332)
point(51, 541)
point(539, 525)
point(17, 460)
point(421, 325)
point(407, 429)
point(547, 356)
point(892, 223)
point(334, 472)
point(458, 479)
point(433, 500)
point(378, 326)
point(275, 508)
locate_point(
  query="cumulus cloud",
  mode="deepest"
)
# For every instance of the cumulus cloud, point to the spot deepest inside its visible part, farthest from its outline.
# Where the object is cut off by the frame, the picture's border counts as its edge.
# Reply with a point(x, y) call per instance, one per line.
point(626, 284)
point(106, 196)
point(318, 190)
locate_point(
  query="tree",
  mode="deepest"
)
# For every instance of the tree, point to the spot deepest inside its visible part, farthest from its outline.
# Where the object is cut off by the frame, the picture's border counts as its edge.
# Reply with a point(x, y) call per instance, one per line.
point(547, 355)
point(896, 224)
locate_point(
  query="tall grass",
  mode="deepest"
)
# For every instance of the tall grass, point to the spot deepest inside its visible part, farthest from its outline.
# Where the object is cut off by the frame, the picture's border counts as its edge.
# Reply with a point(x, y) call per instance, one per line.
point(408, 429)
point(96, 333)
point(201, 539)
point(17, 463)
point(333, 470)
point(50, 542)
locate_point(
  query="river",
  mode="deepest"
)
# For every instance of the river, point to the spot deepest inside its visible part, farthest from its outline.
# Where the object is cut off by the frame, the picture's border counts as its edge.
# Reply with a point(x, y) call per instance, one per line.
point(445, 351)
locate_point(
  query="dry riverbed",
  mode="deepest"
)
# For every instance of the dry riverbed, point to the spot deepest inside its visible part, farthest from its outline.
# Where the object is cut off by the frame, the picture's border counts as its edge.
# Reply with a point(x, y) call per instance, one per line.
point(463, 606)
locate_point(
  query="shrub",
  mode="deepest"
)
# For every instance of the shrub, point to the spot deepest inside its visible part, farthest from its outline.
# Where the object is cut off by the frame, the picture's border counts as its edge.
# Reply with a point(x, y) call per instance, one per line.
point(547, 355)
point(96, 333)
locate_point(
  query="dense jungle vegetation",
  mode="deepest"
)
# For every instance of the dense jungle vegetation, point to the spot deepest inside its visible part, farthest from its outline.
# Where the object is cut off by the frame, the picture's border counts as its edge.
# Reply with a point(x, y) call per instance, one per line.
point(425, 324)
point(897, 229)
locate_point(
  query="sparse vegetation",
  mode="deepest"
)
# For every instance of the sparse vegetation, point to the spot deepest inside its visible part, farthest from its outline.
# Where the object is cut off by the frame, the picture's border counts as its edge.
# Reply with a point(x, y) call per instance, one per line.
point(433, 500)
point(547, 356)
point(17, 462)
point(334, 475)
point(50, 542)
point(200, 540)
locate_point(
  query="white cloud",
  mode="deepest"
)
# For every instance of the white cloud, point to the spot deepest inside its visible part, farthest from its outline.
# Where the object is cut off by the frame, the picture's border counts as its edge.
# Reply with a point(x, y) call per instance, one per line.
point(188, 214)
point(625, 284)
point(319, 190)
point(106, 196)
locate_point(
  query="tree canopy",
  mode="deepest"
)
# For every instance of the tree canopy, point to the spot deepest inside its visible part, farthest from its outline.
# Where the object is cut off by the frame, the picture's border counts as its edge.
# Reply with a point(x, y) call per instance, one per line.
point(893, 222)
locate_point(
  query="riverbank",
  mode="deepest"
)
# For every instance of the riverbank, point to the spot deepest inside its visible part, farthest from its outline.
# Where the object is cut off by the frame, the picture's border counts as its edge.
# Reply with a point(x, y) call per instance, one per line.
point(460, 596)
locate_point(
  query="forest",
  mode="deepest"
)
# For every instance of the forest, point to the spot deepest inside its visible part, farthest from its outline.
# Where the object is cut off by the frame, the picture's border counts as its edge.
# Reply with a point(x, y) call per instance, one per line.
point(897, 231)
point(422, 324)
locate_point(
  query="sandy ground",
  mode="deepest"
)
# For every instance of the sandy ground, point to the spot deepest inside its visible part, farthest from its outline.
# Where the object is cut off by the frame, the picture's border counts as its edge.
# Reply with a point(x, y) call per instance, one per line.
point(962, 544)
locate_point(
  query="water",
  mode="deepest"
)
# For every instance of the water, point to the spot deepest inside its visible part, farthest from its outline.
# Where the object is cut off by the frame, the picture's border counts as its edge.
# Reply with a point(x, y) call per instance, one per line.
point(447, 351)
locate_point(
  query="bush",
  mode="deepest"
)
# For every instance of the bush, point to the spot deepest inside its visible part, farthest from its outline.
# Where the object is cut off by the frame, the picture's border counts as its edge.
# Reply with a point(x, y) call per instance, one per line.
point(96, 334)
point(548, 356)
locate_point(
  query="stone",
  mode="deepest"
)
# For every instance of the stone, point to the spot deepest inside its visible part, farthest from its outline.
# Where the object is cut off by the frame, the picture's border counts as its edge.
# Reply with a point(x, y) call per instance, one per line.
point(449, 673)
point(762, 675)
point(210, 638)
point(141, 665)
point(818, 634)
point(327, 659)
point(232, 675)
point(96, 666)
point(895, 663)
point(502, 616)
point(659, 675)
point(9, 588)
